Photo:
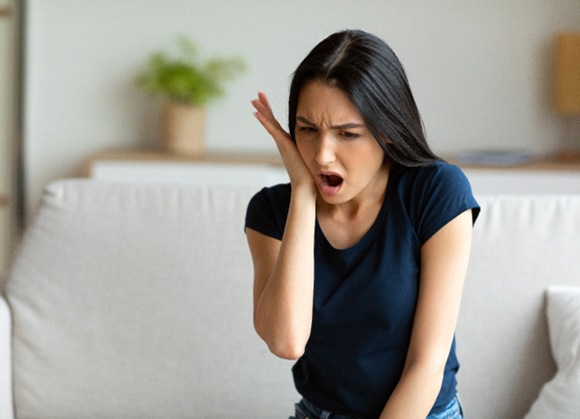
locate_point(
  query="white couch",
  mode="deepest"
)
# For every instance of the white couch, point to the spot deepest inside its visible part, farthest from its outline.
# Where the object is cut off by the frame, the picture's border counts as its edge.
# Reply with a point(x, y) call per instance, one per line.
point(133, 300)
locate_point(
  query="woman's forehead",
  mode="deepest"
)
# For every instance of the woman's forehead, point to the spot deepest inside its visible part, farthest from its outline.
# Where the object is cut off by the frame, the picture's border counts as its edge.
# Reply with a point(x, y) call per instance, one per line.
point(319, 103)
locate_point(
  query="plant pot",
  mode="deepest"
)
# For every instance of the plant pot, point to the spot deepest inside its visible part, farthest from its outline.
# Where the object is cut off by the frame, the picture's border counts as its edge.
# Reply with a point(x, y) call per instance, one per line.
point(182, 129)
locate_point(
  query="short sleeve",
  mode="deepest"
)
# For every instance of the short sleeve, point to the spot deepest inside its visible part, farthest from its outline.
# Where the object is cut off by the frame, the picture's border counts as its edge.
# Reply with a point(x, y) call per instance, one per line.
point(268, 209)
point(445, 193)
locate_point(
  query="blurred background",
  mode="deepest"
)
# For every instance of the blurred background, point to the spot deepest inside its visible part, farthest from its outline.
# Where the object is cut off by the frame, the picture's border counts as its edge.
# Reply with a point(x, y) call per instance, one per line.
point(481, 73)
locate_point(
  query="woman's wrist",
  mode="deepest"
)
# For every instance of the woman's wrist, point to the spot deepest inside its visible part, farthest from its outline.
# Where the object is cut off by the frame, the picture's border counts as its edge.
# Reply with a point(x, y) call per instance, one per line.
point(304, 190)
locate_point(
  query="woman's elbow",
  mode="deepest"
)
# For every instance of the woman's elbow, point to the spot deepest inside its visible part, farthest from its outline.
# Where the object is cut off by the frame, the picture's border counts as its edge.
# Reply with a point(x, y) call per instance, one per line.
point(430, 366)
point(285, 347)
point(287, 351)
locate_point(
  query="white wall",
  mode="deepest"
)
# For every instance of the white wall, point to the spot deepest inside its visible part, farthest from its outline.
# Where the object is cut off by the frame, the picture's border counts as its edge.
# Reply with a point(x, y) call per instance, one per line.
point(480, 70)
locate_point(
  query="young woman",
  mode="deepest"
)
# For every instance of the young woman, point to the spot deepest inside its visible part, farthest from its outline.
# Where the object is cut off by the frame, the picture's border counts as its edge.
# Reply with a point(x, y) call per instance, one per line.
point(359, 262)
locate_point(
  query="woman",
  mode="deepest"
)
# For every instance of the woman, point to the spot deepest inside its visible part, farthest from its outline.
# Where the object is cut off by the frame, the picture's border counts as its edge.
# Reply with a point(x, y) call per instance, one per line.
point(359, 262)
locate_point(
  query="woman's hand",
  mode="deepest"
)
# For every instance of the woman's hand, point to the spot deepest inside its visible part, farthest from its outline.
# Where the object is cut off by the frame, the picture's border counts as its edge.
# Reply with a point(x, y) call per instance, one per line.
point(284, 270)
point(295, 166)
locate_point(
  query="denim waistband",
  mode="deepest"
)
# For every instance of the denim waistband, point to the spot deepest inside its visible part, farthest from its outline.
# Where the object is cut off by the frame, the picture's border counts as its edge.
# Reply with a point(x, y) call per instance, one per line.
point(306, 410)
point(319, 413)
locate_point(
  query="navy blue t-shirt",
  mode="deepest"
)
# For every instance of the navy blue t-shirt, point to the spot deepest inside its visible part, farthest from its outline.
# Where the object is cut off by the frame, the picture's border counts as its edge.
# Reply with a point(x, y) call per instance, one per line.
point(365, 296)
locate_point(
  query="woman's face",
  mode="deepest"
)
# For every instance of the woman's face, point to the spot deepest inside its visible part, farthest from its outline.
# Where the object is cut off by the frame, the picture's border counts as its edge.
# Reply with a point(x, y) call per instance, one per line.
point(343, 156)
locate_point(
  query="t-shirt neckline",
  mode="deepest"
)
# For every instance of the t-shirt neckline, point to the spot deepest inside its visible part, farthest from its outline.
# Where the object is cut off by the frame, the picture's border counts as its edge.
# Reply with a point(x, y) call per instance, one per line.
point(371, 232)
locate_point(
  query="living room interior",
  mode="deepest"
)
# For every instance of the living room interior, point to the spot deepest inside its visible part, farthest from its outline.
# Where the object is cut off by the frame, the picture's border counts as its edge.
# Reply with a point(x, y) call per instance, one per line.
point(483, 76)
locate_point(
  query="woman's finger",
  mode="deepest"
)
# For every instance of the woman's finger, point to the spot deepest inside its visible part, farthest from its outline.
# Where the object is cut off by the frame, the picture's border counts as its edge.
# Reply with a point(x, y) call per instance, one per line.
point(266, 117)
point(273, 129)
point(264, 110)
point(264, 99)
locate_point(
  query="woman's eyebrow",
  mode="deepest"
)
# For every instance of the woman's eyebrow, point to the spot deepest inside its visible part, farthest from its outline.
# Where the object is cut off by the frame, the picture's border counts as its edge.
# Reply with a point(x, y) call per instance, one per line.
point(349, 125)
point(305, 121)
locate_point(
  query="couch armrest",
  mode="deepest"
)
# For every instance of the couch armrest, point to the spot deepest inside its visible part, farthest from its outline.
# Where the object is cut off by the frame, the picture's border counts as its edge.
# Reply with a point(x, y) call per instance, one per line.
point(6, 405)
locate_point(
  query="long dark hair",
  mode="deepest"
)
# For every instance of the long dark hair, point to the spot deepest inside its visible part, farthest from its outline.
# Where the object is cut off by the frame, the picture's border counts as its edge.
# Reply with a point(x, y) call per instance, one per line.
point(367, 70)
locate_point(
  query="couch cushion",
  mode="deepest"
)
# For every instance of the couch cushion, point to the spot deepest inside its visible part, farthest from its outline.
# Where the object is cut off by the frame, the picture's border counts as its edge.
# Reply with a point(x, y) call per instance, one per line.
point(135, 301)
point(521, 245)
point(559, 399)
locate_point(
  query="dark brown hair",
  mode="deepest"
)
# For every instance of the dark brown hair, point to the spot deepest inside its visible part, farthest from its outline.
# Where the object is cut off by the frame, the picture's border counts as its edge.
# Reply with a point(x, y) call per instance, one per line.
point(367, 70)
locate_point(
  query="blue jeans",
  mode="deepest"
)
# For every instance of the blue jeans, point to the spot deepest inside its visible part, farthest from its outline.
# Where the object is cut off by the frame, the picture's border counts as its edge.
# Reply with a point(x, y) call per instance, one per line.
point(306, 410)
point(453, 410)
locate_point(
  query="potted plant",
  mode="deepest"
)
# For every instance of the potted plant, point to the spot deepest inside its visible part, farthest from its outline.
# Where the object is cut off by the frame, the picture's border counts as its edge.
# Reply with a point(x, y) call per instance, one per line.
point(186, 83)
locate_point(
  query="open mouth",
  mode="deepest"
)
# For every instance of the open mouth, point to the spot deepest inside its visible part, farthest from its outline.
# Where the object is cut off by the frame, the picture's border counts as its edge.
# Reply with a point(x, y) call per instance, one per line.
point(331, 180)
point(329, 183)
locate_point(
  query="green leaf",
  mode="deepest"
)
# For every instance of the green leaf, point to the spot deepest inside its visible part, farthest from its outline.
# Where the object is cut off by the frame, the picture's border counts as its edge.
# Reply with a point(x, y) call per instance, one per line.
point(184, 78)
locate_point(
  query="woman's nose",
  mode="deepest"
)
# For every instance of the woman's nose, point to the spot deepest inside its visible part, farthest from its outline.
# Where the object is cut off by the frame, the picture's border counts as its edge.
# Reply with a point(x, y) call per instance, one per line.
point(326, 151)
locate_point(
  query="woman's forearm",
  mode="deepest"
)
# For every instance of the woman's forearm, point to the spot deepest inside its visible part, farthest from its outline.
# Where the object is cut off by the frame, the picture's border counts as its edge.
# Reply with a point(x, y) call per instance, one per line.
point(283, 315)
point(415, 394)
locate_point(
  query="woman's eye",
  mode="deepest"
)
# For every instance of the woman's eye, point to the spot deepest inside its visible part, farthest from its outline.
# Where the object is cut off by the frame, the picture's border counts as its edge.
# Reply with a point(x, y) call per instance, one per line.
point(306, 129)
point(350, 135)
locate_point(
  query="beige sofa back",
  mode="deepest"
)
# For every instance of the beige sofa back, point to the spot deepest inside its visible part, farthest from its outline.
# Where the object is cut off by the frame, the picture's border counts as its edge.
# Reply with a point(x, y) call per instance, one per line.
point(521, 245)
point(134, 301)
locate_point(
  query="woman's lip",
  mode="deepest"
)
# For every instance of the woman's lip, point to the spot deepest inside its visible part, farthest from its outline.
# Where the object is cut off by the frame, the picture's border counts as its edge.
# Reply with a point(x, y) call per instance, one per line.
point(321, 174)
point(324, 188)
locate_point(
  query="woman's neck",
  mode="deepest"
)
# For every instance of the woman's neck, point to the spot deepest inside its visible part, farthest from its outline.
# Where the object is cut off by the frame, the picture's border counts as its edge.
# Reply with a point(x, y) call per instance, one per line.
point(370, 198)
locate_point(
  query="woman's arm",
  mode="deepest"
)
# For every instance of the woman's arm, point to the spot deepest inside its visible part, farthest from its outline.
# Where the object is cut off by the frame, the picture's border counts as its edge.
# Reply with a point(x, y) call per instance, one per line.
point(284, 282)
point(444, 260)
point(284, 271)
